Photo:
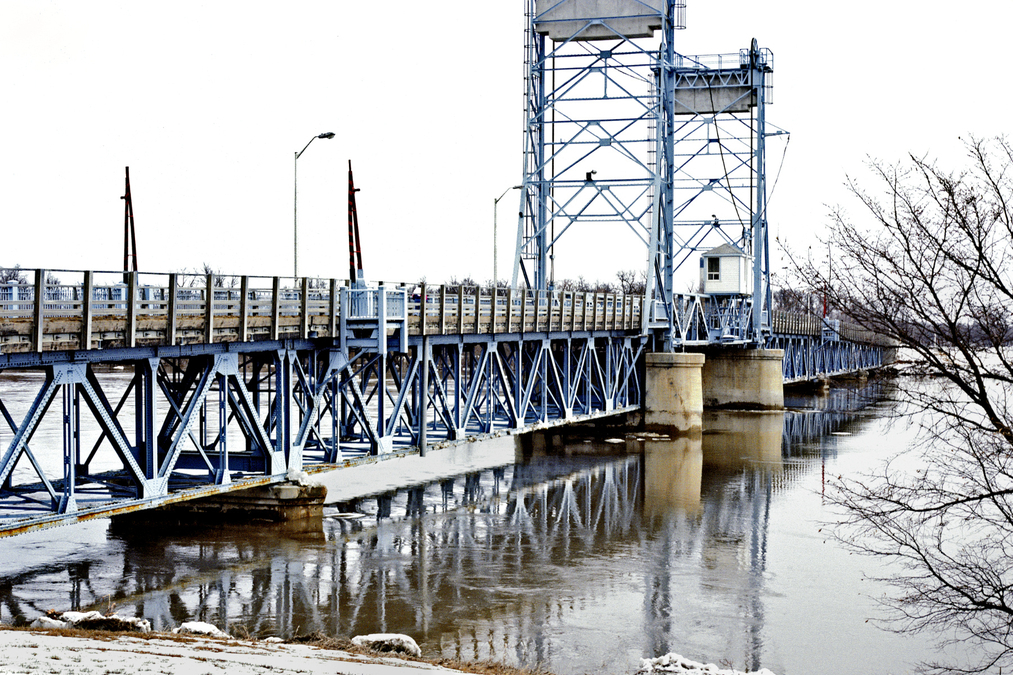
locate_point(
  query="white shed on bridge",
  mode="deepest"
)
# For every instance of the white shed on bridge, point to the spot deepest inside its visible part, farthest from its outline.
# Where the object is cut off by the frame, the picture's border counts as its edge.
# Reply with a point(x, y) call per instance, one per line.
point(726, 270)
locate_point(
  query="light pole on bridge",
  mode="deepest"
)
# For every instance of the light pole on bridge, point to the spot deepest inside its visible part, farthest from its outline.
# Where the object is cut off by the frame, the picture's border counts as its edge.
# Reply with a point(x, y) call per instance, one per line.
point(295, 202)
point(495, 259)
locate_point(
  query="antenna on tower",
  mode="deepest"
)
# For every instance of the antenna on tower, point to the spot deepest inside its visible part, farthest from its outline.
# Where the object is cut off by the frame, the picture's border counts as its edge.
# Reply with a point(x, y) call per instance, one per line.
point(129, 238)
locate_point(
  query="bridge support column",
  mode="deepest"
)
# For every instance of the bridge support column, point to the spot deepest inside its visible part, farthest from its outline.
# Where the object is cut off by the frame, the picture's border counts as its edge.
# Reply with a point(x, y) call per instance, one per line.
point(288, 502)
point(674, 394)
point(744, 378)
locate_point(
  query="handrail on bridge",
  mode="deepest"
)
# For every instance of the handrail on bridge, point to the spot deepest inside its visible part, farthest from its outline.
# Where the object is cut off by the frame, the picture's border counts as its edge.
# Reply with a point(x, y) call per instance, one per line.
point(94, 309)
point(128, 309)
point(792, 323)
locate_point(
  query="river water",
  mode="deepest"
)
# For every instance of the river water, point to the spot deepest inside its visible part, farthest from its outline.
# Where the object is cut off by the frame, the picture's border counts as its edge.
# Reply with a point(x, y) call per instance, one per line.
point(578, 555)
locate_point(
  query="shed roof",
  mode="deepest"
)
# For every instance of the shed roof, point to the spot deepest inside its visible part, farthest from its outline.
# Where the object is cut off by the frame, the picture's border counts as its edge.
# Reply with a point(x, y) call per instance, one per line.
point(726, 250)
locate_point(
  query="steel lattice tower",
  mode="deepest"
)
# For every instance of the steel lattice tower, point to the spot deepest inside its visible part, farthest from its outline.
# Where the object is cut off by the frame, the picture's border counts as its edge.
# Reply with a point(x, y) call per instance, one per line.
point(621, 129)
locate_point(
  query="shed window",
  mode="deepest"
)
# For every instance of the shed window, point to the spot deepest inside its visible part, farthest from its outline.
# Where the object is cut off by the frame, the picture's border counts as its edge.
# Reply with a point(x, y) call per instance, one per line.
point(713, 269)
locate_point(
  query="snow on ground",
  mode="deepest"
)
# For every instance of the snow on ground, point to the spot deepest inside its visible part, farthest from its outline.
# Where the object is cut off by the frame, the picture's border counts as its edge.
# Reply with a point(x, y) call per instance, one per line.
point(35, 653)
point(674, 663)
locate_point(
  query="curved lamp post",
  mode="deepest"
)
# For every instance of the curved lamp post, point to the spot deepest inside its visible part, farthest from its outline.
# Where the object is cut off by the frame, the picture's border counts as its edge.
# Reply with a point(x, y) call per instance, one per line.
point(495, 267)
point(295, 203)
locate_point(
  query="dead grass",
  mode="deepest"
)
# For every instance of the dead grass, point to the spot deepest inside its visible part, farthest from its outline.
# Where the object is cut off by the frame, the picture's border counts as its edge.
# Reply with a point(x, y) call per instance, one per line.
point(318, 640)
point(480, 667)
point(105, 635)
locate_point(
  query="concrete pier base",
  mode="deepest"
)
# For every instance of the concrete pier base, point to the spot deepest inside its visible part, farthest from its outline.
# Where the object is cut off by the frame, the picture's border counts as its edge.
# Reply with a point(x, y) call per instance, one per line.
point(748, 379)
point(673, 399)
point(294, 505)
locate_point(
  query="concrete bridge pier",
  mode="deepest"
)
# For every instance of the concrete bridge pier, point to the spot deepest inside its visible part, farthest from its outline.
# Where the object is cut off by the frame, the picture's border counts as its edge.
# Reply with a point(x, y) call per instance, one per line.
point(296, 506)
point(674, 393)
point(744, 379)
point(680, 385)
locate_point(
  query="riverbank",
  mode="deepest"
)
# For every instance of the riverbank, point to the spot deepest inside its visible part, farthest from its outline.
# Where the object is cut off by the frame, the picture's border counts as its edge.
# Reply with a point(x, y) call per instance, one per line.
point(68, 651)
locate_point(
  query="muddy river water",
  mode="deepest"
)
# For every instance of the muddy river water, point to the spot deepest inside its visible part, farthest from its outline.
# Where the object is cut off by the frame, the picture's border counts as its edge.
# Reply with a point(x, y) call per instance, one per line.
point(578, 555)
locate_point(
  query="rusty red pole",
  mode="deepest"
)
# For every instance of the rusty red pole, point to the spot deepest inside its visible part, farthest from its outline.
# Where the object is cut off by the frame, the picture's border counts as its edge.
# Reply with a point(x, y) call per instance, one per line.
point(354, 250)
point(129, 235)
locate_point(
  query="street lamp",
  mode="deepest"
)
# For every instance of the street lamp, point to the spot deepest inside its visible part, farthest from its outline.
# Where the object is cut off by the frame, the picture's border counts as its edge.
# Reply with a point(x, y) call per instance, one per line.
point(295, 203)
point(495, 202)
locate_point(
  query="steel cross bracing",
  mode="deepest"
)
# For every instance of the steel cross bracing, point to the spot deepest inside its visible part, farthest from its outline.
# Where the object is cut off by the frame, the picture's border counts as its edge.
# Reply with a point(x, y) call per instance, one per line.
point(816, 348)
point(625, 131)
point(169, 403)
point(808, 358)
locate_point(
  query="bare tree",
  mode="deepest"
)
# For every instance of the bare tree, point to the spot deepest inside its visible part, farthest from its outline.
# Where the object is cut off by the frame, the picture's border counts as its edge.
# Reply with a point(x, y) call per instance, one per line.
point(12, 275)
point(796, 300)
point(632, 281)
point(930, 265)
point(220, 280)
point(453, 284)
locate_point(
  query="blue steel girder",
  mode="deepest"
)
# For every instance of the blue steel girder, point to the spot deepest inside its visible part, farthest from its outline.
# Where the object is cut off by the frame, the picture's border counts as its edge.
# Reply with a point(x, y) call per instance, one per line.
point(810, 357)
point(172, 420)
point(200, 401)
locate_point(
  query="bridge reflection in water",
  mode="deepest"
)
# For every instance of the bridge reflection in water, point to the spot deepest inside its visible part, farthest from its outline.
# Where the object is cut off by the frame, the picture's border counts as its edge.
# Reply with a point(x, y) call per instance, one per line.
point(571, 560)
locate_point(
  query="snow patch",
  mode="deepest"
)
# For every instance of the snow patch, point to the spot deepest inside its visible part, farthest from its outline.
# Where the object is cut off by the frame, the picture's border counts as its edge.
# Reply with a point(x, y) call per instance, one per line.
point(75, 618)
point(199, 628)
point(674, 663)
point(300, 478)
point(388, 642)
point(94, 621)
point(49, 622)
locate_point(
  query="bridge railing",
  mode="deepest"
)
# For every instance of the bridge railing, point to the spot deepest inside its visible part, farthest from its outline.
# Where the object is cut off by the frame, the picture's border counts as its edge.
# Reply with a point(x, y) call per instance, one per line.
point(793, 323)
point(476, 309)
point(94, 309)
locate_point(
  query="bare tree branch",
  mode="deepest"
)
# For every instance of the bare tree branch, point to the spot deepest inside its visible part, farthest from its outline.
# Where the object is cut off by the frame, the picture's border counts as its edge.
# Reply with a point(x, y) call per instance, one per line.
point(929, 264)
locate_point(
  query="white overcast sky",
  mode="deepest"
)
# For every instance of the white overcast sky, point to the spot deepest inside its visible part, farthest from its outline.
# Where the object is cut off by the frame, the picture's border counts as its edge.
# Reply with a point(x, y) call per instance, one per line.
point(208, 101)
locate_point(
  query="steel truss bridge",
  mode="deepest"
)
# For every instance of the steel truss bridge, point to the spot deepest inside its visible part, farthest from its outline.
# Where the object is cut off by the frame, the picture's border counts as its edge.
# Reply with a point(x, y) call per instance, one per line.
point(125, 391)
point(218, 384)
point(625, 138)
point(134, 390)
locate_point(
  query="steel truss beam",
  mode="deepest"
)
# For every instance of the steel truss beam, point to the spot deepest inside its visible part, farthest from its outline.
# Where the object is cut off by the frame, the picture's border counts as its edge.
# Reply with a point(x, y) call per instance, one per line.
point(165, 427)
point(625, 131)
point(812, 357)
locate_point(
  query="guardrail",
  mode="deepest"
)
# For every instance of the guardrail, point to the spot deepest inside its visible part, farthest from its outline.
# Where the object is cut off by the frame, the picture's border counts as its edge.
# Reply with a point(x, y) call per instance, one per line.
point(91, 309)
point(461, 309)
point(790, 323)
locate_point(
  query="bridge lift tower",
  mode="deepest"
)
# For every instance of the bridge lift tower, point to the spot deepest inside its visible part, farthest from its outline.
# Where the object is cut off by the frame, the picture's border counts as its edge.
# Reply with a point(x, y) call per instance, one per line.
point(622, 129)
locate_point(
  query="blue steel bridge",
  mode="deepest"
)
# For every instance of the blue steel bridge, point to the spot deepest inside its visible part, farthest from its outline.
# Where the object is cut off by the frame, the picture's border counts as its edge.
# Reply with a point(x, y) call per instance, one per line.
point(121, 391)
point(137, 389)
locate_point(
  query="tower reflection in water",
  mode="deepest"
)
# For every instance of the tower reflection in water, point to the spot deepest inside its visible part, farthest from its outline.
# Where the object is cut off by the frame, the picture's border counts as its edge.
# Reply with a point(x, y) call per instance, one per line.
point(586, 557)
